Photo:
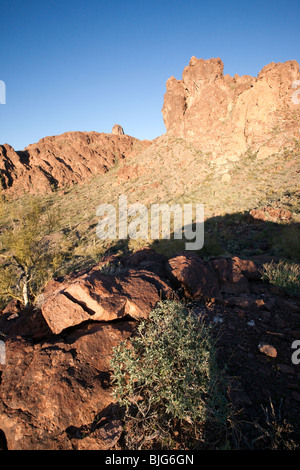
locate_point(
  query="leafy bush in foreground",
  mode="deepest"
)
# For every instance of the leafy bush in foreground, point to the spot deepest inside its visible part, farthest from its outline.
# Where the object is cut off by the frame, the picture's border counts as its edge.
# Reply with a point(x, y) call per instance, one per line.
point(167, 378)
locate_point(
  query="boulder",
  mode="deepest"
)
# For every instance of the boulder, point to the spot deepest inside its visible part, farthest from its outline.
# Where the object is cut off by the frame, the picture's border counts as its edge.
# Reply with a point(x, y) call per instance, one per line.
point(195, 276)
point(271, 214)
point(247, 267)
point(149, 260)
point(230, 276)
point(96, 296)
point(27, 322)
point(50, 388)
point(103, 438)
point(56, 374)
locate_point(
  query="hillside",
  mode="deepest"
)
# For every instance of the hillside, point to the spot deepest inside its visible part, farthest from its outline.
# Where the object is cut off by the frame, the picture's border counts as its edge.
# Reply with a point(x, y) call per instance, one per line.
point(173, 170)
point(62, 161)
point(232, 144)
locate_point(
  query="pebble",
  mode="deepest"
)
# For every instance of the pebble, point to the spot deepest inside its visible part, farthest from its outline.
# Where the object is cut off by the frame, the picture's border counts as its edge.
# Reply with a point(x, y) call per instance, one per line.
point(218, 319)
point(267, 349)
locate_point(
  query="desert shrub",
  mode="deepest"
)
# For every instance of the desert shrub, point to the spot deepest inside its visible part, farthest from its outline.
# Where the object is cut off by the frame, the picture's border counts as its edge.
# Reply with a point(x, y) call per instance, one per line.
point(29, 257)
point(211, 247)
point(275, 432)
point(167, 378)
point(285, 275)
point(287, 243)
point(168, 247)
point(112, 269)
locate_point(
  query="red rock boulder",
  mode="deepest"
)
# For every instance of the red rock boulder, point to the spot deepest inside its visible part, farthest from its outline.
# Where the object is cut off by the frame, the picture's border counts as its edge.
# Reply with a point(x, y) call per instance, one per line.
point(49, 389)
point(195, 276)
point(97, 296)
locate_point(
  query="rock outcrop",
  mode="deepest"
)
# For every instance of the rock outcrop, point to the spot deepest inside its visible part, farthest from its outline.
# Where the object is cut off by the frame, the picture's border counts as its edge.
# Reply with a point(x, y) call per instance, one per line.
point(62, 160)
point(117, 130)
point(96, 296)
point(55, 382)
point(230, 116)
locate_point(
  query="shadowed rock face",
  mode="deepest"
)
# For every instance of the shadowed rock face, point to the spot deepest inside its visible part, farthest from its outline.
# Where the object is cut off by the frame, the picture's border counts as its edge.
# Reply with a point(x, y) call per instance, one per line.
point(52, 386)
point(230, 115)
point(62, 160)
point(57, 373)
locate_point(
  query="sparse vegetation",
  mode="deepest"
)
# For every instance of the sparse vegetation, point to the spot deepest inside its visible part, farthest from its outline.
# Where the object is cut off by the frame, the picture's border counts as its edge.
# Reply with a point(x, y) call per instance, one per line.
point(168, 380)
point(285, 275)
point(275, 433)
point(29, 257)
point(186, 175)
point(111, 269)
point(287, 242)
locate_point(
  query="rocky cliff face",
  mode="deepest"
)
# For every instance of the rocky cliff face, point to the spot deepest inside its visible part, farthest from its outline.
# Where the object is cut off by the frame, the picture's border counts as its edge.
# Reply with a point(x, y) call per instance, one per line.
point(63, 160)
point(229, 116)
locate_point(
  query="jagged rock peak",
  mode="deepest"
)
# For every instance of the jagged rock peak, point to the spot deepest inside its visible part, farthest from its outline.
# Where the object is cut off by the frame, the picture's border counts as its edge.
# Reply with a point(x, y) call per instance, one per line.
point(117, 130)
point(228, 115)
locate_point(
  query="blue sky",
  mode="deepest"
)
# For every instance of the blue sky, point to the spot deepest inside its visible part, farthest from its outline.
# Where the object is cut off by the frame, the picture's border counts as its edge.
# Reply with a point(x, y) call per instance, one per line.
point(87, 64)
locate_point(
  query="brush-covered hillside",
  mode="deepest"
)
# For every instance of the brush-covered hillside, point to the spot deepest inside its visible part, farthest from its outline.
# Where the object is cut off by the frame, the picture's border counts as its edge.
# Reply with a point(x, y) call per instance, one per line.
point(70, 299)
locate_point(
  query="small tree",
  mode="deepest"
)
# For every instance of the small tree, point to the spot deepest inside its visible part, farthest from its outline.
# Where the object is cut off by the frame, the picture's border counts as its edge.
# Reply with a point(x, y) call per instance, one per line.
point(28, 256)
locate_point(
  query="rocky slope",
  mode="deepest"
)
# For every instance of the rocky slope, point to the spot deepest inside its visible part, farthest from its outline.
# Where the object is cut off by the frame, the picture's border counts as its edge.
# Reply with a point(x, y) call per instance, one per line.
point(63, 160)
point(222, 116)
point(229, 116)
point(55, 387)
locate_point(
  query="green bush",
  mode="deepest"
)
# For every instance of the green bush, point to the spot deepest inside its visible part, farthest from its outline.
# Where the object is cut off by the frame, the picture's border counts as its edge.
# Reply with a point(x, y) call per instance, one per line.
point(167, 378)
point(28, 256)
point(287, 243)
point(285, 275)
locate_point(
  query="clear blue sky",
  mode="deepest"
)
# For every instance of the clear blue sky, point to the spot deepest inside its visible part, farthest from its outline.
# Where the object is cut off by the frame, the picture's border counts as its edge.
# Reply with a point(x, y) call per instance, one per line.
point(88, 64)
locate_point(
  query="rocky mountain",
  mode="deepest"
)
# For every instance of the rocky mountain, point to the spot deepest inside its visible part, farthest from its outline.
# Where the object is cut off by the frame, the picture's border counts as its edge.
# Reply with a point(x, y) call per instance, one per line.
point(63, 160)
point(222, 116)
point(229, 116)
